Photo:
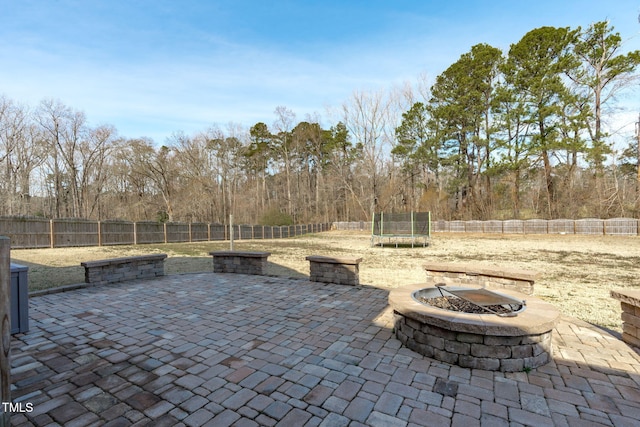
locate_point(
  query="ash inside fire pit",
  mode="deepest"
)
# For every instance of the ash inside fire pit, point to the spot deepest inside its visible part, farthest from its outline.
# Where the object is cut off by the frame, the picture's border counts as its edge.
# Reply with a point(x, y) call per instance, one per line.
point(454, 303)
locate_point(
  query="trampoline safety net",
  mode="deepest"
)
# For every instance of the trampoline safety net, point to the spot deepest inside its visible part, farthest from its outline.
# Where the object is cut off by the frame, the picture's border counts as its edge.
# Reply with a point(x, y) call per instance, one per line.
point(395, 227)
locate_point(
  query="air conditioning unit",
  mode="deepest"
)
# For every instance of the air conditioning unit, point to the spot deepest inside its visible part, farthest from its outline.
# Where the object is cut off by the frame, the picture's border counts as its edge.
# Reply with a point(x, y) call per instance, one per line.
point(19, 298)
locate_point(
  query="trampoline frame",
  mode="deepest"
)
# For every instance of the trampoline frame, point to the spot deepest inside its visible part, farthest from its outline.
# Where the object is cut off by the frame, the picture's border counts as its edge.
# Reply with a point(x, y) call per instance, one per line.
point(395, 237)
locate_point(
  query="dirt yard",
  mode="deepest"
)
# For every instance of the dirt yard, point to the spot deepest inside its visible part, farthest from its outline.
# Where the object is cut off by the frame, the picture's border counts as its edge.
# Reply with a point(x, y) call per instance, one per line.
point(577, 271)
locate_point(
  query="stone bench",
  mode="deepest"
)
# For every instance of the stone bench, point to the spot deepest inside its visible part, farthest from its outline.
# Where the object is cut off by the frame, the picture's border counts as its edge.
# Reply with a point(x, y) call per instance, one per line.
point(630, 302)
point(343, 271)
point(481, 276)
point(240, 262)
point(126, 268)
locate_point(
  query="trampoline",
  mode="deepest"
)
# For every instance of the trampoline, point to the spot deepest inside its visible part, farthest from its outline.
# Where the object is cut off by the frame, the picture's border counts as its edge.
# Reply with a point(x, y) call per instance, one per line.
point(395, 228)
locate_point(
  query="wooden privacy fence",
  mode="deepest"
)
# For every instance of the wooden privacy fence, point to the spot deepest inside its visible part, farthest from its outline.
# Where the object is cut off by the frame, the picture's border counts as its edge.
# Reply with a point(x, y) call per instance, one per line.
point(58, 233)
point(592, 226)
point(352, 225)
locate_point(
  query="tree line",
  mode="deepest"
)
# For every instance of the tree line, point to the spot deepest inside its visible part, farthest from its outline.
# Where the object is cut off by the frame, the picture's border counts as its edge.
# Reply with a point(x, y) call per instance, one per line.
point(515, 134)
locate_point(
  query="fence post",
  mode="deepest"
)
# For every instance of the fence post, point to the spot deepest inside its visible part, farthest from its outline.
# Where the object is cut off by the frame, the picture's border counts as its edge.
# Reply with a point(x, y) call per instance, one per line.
point(51, 234)
point(99, 233)
point(5, 340)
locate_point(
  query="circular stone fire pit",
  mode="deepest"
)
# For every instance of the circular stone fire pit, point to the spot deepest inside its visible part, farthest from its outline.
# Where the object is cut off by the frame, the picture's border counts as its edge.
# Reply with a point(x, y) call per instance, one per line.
point(472, 340)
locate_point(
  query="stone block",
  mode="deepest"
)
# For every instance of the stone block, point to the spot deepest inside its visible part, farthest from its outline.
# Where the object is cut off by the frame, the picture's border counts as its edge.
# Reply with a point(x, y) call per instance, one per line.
point(420, 337)
point(470, 338)
point(457, 347)
point(493, 351)
point(540, 348)
point(631, 319)
point(536, 361)
point(521, 351)
point(445, 356)
point(425, 350)
point(629, 329)
point(535, 339)
point(631, 340)
point(412, 322)
point(435, 342)
point(506, 341)
point(512, 365)
point(486, 363)
point(628, 308)
point(439, 332)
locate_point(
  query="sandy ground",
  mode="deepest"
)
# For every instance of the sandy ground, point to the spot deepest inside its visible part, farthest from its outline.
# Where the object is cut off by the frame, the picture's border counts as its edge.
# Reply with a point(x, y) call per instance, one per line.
point(577, 272)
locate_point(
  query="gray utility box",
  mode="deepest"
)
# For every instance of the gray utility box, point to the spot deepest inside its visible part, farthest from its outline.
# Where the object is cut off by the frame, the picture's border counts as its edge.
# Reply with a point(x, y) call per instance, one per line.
point(19, 298)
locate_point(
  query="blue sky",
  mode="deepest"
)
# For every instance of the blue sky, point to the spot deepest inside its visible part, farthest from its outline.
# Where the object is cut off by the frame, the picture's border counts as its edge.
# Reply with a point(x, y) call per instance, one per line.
point(155, 67)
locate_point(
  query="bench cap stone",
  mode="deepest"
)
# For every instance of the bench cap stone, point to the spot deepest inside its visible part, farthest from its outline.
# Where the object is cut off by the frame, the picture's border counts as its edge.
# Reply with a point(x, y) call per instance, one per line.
point(102, 262)
point(629, 296)
point(245, 254)
point(507, 273)
point(333, 260)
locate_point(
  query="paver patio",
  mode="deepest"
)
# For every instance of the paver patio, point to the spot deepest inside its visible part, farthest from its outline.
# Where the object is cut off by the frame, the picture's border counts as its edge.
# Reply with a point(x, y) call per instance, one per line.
point(226, 349)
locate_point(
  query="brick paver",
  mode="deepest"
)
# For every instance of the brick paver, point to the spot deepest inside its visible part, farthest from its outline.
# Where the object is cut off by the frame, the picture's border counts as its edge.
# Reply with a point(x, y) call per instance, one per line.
point(232, 349)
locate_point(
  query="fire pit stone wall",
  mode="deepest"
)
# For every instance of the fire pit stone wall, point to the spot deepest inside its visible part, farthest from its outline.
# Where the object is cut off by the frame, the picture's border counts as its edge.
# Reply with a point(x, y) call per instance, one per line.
point(481, 341)
point(469, 350)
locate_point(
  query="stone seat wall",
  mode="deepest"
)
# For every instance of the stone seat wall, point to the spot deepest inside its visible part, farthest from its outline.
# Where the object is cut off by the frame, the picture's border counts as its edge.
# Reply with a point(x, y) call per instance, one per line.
point(240, 262)
point(121, 269)
point(478, 276)
point(343, 271)
point(630, 303)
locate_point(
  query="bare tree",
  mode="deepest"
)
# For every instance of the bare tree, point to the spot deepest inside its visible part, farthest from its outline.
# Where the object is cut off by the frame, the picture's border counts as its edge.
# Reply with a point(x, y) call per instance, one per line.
point(366, 116)
point(64, 130)
point(226, 152)
point(282, 145)
point(18, 154)
point(200, 189)
point(93, 155)
point(159, 170)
